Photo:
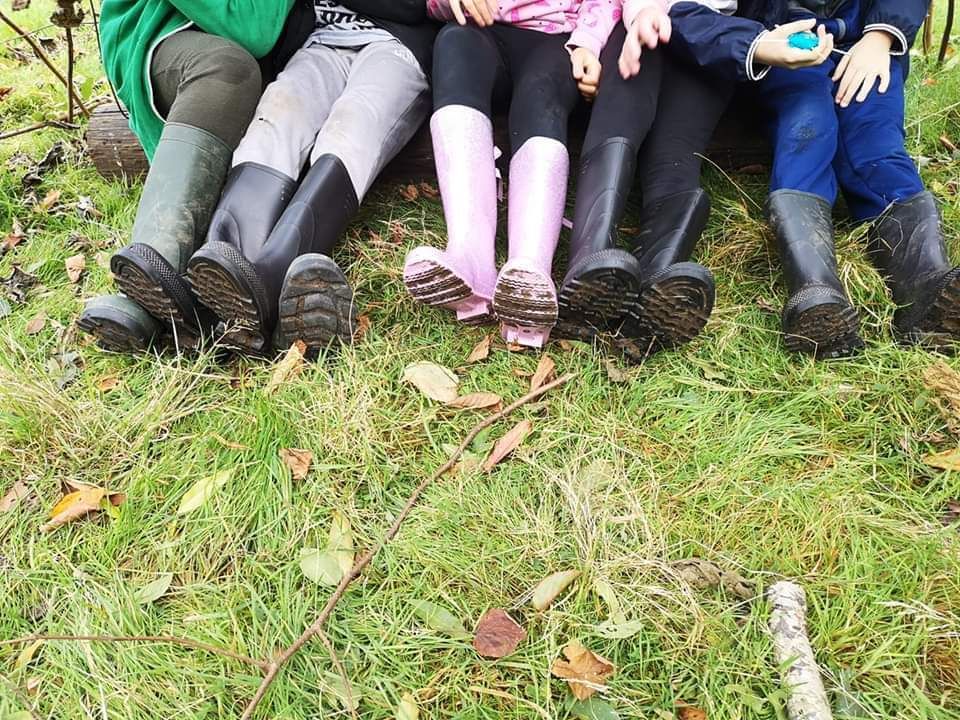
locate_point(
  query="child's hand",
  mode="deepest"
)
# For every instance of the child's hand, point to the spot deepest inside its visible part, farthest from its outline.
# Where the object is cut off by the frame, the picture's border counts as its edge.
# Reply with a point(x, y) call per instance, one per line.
point(774, 48)
point(481, 12)
point(651, 27)
point(586, 71)
point(867, 62)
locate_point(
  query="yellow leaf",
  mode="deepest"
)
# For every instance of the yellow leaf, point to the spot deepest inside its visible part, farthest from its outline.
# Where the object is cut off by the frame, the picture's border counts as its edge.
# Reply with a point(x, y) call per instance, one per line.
point(407, 709)
point(27, 654)
point(947, 460)
point(203, 490)
point(435, 381)
point(550, 588)
point(288, 368)
point(341, 541)
point(75, 505)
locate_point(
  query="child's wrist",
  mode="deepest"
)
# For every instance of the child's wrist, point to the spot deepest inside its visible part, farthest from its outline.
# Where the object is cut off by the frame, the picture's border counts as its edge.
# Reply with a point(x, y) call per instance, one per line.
point(881, 38)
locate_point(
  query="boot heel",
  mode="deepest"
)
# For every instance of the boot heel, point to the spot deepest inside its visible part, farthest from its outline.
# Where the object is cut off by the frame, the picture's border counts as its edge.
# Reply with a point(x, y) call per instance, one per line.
point(316, 304)
point(434, 280)
point(819, 321)
point(144, 275)
point(677, 303)
point(525, 301)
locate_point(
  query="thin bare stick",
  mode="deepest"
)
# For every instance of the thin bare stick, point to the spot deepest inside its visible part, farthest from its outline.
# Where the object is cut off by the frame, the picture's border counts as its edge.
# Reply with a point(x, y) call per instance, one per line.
point(277, 665)
point(42, 56)
point(21, 696)
point(335, 659)
point(264, 665)
point(70, 63)
point(62, 124)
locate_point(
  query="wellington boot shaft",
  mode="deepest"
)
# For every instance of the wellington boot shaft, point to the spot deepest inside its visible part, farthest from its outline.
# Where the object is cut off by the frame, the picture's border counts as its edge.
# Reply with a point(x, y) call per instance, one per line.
point(670, 230)
point(180, 193)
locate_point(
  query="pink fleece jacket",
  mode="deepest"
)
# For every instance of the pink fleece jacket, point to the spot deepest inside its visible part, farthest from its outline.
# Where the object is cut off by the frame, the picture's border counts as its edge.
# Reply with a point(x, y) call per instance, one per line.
point(589, 22)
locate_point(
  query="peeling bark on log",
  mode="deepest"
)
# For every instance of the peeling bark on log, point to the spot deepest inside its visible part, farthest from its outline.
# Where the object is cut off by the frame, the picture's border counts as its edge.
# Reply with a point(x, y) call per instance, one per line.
point(116, 153)
point(807, 698)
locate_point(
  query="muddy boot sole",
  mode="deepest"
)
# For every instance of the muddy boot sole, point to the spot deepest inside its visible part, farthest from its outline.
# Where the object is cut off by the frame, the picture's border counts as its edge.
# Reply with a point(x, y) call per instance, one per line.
point(933, 323)
point(595, 293)
point(316, 304)
point(433, 284)
point(227, 283)
point(113, 333)
point(677, 304)
point(145, 276)
point(822, 323)
point(526, 304)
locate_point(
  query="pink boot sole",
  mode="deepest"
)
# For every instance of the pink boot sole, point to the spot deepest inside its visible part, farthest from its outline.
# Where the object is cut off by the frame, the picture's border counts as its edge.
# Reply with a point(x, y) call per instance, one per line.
point(525, 300)
point(433, 279)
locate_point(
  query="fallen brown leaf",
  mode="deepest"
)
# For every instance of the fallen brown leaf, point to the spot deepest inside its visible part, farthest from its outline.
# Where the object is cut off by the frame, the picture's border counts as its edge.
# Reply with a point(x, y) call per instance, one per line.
point(951, 515)
point(585, 671)
point(298, 461)
point(75, 265)
point(947, 460)
point(18, 492)
point(84, 500)
point(522, 374)
point(614, 372)
point(49, 200)
point(429, 190)
point(476, 401)
point(38, 323)
point(544, 372)
point(507, 444)
point(289, 367)
point(497, 634)
point(515, 347)
point(4, 91)
point(409, 193)
point(13, 238)
point(687, 712)
point(944, 381)
point(108, 383)
point(480, 352)
point(363, 327)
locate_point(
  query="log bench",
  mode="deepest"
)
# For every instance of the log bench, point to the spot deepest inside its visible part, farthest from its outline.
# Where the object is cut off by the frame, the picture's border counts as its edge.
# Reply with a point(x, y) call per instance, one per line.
point(116, 152)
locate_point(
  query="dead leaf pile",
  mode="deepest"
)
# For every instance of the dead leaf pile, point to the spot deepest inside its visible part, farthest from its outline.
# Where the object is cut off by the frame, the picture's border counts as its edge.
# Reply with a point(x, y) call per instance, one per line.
point(585, 671)
point(80, 502)
point(497, 634)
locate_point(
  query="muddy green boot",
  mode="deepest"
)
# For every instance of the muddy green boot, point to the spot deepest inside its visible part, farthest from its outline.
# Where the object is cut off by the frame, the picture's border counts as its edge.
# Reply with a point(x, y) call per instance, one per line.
point(179, 197)
point(118, 324)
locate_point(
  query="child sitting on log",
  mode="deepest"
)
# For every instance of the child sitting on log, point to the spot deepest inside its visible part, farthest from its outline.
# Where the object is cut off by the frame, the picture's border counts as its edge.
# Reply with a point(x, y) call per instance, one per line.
point(344, 106)
point(535, 52)
point(836, 126)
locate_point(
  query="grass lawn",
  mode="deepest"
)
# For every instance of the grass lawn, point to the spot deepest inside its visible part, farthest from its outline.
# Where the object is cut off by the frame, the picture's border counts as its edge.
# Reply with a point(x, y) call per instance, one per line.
point(729, 450)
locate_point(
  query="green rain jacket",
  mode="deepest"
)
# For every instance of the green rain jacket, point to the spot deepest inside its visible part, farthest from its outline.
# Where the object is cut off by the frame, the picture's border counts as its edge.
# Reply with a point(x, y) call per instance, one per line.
point(132, 29)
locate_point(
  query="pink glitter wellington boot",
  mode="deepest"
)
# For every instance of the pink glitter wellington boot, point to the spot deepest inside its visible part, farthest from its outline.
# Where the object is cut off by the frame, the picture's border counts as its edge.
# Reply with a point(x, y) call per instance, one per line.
point(461, 278)
point(525, 298)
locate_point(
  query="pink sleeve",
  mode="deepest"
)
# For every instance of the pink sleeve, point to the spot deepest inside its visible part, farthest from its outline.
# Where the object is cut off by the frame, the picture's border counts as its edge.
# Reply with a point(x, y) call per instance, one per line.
point(440, 10)
point(595, 21)
point(632, 8)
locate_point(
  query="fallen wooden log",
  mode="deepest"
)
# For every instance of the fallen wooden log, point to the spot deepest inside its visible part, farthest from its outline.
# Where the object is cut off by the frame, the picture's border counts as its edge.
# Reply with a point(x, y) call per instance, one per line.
point(116, 152)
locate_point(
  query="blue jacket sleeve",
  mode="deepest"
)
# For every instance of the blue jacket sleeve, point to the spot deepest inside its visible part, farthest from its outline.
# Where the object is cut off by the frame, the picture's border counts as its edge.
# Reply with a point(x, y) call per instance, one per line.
point(901, 18)
point(720, 44)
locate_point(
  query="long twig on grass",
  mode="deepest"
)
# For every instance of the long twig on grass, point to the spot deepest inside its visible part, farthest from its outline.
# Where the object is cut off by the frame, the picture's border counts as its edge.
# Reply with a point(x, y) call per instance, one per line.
point(264, 665)
point(317, 626)
point(42, 56)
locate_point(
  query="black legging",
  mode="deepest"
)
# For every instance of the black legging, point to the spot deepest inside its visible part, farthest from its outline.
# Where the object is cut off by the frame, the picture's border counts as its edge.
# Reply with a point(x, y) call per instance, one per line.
point(477, 67)
point(670, 111)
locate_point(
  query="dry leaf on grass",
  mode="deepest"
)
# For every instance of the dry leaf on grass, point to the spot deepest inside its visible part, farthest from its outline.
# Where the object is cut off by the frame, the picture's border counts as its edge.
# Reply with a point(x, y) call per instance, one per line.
point(407, 709)
point(477, 401)
point(435, 381)
point(688, 712)
point(38, 323)
point(202, 490)
point(549, 588)
point(328, 566)
point(288, 368)
point(480, 352)
point(544, 373)
point(944, 381)
point(497, 634)
point(507, 444)
point(705, 575)
point(409, 192)
point(75, 265)
point(229, 444)
point(84, 500)
point(16, 494)
point(298, 461)
point(614, 373)
point(363, 327)
point(49, 200)
point(428, 190)
point(946, 460)
point(108, 383)
point(585, 671)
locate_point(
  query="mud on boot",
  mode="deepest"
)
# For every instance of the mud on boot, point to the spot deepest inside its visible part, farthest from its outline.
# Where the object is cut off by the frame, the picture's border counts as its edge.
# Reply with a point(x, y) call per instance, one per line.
point(118, 324)
point(316, 304)
point(818, 318)
point(907, 245)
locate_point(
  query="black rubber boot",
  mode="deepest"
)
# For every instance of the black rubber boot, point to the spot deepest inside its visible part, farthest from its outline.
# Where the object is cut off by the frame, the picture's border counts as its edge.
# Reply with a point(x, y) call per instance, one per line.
point(242, 285)
point(676, 296)
point(178, 200)
point(906, 244)
point(818, 318)
point(601, 278)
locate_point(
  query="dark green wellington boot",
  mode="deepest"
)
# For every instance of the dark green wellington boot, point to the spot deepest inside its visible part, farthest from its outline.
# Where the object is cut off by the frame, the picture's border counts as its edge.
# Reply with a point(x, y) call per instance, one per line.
point(601, 278)
point(256, 287)
point(118, 324)
point(818, 318)
point(906, 244)
point(675, 296)
point(178, 200)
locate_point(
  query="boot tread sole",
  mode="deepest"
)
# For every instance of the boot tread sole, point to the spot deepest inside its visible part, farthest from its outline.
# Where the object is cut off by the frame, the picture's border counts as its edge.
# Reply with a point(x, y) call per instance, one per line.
point(232, 300)
point(317, 305)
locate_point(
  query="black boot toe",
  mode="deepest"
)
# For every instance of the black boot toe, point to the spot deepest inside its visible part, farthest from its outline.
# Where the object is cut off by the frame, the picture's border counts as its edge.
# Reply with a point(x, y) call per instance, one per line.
point(933, 319)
